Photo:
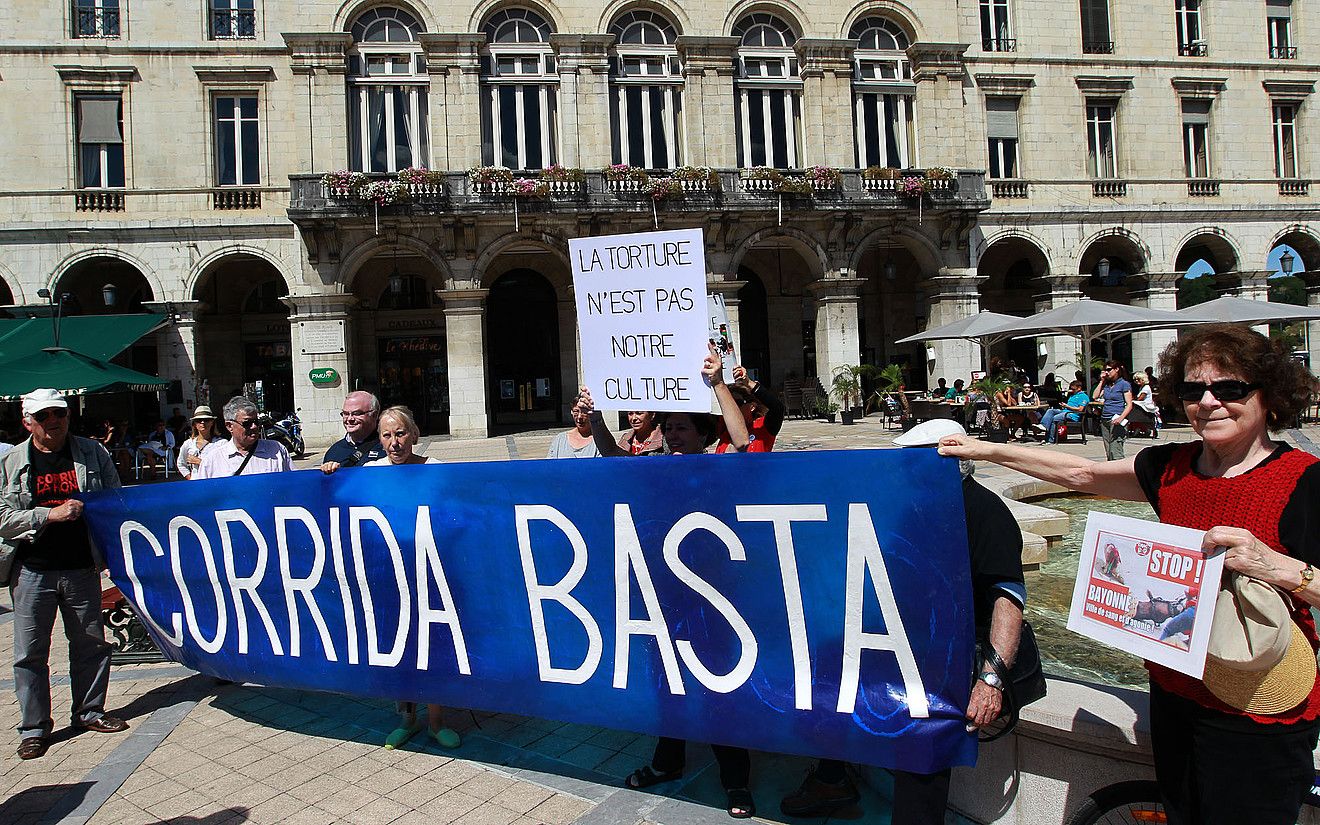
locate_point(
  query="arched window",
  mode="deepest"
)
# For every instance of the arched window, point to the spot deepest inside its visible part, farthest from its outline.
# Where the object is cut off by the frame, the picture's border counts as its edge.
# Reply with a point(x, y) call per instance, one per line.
point(387, 85)
point(648, 90)
point(769, 92)
point(518, 124)
point(882, 93)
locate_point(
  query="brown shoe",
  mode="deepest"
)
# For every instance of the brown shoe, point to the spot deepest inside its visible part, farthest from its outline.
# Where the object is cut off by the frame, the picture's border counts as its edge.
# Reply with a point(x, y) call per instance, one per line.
point(816, 798)
point(33, 747)
point(104, 724)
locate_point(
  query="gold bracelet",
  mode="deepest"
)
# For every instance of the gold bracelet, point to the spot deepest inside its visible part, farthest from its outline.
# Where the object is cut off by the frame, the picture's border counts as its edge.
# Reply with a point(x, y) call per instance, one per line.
point(1308, 573)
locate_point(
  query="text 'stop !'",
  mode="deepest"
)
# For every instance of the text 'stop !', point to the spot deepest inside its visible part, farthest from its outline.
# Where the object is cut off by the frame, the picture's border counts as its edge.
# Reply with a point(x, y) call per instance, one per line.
point(641, 306)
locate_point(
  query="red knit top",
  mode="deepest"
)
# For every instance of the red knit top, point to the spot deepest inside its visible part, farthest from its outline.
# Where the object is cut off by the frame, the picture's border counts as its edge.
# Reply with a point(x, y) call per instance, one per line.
point(1252, 501)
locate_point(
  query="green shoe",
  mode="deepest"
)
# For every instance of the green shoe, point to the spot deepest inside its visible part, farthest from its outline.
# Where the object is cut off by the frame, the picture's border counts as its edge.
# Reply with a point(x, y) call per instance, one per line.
point(447, 738)
point(399, 736)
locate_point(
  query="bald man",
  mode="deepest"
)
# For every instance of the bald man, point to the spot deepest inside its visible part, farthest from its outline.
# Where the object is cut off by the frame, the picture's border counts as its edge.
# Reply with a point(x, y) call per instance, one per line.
point(360, 443)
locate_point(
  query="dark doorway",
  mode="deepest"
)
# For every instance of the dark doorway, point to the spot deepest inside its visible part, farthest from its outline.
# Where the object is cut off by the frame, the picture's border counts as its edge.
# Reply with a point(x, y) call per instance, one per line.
point(754, 327)
point(522, 332)
point(414, 372)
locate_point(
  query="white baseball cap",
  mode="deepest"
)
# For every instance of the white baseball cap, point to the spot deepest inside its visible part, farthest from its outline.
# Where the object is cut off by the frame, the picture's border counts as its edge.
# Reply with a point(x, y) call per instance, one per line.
point(43, 399)
point(929, 433)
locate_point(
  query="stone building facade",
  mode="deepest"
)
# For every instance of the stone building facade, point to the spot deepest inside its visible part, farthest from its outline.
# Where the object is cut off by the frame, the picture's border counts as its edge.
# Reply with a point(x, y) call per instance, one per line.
point(1098, 148)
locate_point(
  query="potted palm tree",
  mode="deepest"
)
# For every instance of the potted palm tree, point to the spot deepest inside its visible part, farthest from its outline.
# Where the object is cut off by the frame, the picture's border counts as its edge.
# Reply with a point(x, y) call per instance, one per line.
point(845, 386)
point(826, 409)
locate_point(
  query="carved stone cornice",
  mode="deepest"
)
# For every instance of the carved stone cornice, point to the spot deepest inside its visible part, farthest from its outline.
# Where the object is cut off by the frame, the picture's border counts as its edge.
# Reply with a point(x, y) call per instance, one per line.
point(819, 55)
point(702, 53)
point(1104, 86)
point(242, 75)
point(1289, 89)
point(1205, 88)
point(1005, 85)
point(456, 51)
point(98, 75)
point(934, 60)
point(318, 50)
point(582, 51)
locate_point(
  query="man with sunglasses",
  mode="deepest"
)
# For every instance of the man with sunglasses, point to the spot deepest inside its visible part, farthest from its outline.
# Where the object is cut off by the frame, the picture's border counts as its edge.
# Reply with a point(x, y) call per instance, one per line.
point(246, 452)
point(51, 566)
point(361, 441)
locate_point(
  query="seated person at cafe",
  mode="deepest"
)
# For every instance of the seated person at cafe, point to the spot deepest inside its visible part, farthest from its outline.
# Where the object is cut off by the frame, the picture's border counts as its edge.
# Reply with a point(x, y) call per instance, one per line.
point(1029, 398)
point(941, 389)
point(1070, 412)
point(956, 390)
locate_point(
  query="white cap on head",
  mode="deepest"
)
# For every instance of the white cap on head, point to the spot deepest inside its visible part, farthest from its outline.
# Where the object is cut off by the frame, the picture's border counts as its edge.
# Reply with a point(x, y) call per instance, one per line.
point(43, 399)
point(929, 433)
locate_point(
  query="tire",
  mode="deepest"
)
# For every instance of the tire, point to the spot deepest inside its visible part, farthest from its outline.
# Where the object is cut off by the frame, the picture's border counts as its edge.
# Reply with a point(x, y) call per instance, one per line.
point(1117, 804)
point(299, 449)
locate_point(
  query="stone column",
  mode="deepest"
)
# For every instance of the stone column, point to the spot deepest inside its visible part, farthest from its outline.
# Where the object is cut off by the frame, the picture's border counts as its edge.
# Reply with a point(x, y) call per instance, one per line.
point(453, 61)
point(1162, 293)
point(177, 349)
point(584, 113)
point(826, 93)
point(319, 65)
point(1256, 287)
point(320, 335)
point(838, 338)
point(465, 329)
point(939, 72)
point(953, 296)
point(708, 110)
point(1063, 352)
point(1312, 344)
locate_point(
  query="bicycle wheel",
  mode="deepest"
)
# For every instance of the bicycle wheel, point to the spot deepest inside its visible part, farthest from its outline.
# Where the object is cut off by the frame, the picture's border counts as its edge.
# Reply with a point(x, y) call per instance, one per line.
point(1127, 803)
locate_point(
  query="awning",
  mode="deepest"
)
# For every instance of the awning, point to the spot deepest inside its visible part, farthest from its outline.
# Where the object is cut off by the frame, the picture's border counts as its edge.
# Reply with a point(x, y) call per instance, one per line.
point(71, 373)
point(100, 337)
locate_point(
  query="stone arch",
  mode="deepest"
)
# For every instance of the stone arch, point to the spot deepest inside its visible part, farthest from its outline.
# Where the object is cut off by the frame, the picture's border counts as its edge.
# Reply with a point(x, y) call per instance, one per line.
point(549, 242)
point(921, 247)
point(899, 12)
point(70, 262)
point(808, 247)
point(485, 9)
point(1302, 238)
point(1223, 250)
point(351, 10)
point(1011, 232)
point(1116, 240)
point(672, 11)
point(351, 263)
point(788, 10)
point(12, 285)
point(212, 259)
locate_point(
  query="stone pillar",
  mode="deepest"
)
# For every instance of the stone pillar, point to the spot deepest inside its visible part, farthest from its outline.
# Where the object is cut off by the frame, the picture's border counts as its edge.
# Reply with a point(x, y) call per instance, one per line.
point(939, 72)
point(708, 110)
point(178, 350)
point(453, 61)
point(1063, 352)
point(953, 296)
point(1256, 287)
point(319, 65)
point(1162, 293)
point(320, 335)
point(1312, 344)
point(838, 337)
point(465, 330)
point(584, 112)
point(826, 93)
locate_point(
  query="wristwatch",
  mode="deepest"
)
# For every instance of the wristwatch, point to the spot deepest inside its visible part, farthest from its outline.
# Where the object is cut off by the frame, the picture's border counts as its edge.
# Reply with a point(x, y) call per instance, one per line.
point(1308, 573)
point(992, 679)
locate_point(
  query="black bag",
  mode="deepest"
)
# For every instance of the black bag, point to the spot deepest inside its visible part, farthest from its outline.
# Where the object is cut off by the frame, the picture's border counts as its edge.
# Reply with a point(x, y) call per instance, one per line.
point(1024, 683)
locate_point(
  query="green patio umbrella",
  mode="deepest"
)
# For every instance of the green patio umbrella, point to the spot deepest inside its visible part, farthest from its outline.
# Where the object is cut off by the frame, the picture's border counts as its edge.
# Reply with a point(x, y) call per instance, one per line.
point(71, 373)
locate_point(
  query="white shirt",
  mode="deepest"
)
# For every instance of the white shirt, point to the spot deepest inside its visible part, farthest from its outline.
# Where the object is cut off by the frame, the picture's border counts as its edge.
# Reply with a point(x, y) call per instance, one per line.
point(222, 459)
point(385, 462)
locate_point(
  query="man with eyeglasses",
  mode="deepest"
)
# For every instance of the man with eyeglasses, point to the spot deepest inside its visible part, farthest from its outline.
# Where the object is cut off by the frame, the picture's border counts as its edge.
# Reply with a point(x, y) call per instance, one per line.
point(361, 442)
point(51, 566)
point(246, 452)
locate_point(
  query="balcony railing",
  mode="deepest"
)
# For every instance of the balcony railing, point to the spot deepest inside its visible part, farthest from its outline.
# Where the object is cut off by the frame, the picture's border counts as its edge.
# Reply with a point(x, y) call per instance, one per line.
point(1194, 49)
point(1293, 187)
point(98, 200)
point(95, 22)
point(1202, 188)
point(1097, 47)
point(457, 194)
point(1109, 188)
point(236, 199)
point(1283, 52)
point(233, 24)
point(1009, 188)
point(999, 44)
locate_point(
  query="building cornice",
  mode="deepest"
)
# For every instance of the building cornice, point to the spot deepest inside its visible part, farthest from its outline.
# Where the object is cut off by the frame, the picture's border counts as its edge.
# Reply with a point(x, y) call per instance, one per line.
point(318, 50)
point(212, 75)
point(1199, 87)
point(1288, 89)
point(702, 53)
point(103, 75)
point(935, 60)
point(459, 51)
point(820, 55)
point(1110, 85)
point(582, 51)
point(1005, 84)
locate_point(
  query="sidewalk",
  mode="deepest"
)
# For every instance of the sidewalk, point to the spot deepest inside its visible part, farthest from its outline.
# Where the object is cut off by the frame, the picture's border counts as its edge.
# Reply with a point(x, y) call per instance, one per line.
point(203, 753)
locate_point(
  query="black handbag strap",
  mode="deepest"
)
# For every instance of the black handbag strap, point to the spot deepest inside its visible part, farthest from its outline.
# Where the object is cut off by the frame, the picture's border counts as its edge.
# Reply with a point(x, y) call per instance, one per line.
point(1009, 693)
point(246, 459)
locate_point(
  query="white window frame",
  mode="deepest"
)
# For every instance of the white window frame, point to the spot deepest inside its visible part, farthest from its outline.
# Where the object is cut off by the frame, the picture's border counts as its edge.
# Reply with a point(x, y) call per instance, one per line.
point(1187, 21)
point(667, 85)
point(1278, 27)
point(1000, 148)
point(104, 148)
point(234, 13)
point(542, 81)
point(98, 8)
point(1109, 28)
point(1095, 128)
point(413, 84)
point(1285, 132)
point(789, 82)
point(999, 15)
point(895, 94)
point(1197, 164)
point(235, 126)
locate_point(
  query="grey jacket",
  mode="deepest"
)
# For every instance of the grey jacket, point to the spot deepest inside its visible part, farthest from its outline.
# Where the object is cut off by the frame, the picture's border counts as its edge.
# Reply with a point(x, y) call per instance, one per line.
point(19, 520)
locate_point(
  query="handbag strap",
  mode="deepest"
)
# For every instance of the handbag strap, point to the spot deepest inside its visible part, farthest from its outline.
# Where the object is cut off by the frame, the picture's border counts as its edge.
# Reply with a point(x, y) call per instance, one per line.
point(1010, 707)
point(246, 459)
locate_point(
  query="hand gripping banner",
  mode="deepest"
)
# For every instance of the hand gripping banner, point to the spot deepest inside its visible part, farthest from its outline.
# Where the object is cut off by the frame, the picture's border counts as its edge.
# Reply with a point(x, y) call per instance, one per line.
point(815, 603)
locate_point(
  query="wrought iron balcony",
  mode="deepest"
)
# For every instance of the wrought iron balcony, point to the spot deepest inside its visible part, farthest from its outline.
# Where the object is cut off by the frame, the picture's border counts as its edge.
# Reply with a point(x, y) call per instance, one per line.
point(91, 22)
point(1196, 48)
point(1097, 47)
point(999, 44)
point(233, 24)
point(1283, 52)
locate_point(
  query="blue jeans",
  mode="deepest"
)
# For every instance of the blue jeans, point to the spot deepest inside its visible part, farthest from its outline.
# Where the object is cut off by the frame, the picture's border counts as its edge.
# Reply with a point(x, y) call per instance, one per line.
point(37, 595)
point(1050, 421)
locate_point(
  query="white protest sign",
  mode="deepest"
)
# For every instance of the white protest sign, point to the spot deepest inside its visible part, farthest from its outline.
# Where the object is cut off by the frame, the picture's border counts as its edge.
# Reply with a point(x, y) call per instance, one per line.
point(641, 305)
point(720, 335)
point(1146, 588)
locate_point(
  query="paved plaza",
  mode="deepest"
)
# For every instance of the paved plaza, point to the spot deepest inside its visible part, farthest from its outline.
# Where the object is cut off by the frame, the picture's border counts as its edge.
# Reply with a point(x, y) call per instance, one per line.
point(202, 752)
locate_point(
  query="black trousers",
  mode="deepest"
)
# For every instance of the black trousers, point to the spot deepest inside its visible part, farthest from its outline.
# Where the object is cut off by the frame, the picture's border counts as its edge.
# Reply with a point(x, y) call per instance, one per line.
point(920, 798)
point(735, 763)
point(1218, 769)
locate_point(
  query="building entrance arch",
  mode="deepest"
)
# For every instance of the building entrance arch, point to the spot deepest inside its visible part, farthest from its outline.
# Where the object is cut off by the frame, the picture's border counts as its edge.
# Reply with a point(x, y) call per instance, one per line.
point(243, 336)
point(522, 323)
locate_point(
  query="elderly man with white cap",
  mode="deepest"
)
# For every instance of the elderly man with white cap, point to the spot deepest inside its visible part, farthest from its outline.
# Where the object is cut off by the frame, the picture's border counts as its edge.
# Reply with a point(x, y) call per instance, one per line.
point(51, 565)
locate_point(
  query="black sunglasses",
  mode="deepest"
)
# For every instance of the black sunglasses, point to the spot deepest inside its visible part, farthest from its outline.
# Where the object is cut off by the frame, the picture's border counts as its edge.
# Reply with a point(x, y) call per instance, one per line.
point(247, 425)
point(1223, 390)
point(40, 416)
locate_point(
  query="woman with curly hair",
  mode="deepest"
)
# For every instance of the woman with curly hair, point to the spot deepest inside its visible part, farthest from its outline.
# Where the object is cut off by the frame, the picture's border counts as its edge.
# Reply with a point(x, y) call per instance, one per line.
point(1223, 755)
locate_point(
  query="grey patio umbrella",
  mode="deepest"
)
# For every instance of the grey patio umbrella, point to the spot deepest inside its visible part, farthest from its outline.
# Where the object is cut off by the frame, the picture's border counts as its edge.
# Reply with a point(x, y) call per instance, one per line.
point(1087, 319)
point(976, 328)
point(1234, 310)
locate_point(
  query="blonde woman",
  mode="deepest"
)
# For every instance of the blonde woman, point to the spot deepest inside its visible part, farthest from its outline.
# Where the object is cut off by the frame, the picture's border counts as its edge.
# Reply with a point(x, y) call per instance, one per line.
point(398, 435)
point(202, 436)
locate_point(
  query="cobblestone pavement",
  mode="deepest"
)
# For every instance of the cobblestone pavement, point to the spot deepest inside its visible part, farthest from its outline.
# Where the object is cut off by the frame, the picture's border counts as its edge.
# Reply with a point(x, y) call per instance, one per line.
point(202, 752)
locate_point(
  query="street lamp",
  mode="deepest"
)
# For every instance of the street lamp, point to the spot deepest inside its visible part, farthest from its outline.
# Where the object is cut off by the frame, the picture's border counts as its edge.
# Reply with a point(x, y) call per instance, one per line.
point(1286, 261)
point(891, 269)
point(109, 293)
point(1102, 269)
point(58, 304)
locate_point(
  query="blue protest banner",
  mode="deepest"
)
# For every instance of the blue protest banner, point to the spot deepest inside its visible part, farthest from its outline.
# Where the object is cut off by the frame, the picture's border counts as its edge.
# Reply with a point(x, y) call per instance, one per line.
point(815, 603)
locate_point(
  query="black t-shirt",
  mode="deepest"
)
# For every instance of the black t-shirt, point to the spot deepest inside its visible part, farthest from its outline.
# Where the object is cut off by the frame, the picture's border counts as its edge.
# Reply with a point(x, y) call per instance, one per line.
point(995, 544)
point(342, 451)
point(62, 546)
point(1299, 523)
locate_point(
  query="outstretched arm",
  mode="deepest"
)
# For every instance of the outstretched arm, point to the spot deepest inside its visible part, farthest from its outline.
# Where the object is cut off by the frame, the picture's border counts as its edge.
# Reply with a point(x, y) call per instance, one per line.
point(605, 443)
point(713, 369)
point(1115, 479)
